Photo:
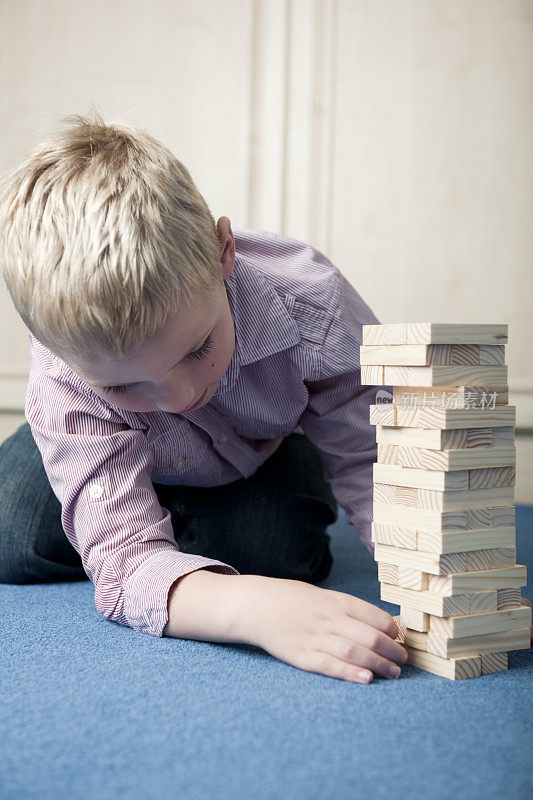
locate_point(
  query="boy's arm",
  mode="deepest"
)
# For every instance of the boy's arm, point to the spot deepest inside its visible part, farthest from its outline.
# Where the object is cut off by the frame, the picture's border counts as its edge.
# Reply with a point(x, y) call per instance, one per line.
point(125, 540)
point(99, 469)
point(337, 416)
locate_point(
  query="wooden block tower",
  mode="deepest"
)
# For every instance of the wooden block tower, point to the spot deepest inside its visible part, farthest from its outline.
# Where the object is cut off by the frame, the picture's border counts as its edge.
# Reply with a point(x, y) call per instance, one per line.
point(444, 516)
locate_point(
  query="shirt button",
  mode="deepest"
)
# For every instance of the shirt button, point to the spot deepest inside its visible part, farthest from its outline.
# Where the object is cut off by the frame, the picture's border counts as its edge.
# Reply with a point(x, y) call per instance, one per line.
point(179, 463)
point(223, 438)
point(96, 490)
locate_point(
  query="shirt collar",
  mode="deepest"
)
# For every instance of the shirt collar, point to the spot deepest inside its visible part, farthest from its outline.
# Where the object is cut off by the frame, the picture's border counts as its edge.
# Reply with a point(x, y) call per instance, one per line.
point(263, 325)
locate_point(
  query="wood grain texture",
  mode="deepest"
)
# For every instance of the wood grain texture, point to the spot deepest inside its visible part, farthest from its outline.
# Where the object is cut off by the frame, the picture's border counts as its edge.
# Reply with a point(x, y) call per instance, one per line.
point(435, 417)
point(512, 577)
point(419, 478)
point(442, 376)
point(446, 460)
point(494, 662)
point(413, 619)
point(434, 333)
point(502, 539)
point(433, 355)
point(452, 668)
point(436, 604)
point(484, 478)
point(447, 500)
point(519, 639)
point(508, 598)
point(477, 624)
point(463, 519)
point(450, 396)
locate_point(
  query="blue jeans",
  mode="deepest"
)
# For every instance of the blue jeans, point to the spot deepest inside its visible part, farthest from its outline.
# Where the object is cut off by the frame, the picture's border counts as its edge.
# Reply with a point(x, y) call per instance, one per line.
point(272, 523)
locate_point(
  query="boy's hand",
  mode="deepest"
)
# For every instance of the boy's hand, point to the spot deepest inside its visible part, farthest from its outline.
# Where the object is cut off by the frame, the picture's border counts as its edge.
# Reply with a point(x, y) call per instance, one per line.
point(321, 630)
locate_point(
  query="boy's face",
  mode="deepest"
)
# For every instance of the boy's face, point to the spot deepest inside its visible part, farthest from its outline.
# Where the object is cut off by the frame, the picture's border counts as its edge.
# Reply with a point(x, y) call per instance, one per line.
point(188, 357)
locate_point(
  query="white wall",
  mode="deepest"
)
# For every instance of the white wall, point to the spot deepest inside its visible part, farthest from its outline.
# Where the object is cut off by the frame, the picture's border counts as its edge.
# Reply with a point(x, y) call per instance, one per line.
point(395, 135)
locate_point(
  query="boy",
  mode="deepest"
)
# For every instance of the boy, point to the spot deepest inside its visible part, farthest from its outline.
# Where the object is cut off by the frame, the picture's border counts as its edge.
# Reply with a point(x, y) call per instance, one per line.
point(175, 366)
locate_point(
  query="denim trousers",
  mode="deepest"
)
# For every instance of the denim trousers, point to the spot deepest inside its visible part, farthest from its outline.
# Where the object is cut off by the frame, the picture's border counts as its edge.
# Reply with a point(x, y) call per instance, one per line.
point(272, 523)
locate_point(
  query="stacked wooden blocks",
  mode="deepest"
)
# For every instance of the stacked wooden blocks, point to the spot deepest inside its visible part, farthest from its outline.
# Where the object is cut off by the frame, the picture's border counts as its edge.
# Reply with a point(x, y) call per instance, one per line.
point(444, 521)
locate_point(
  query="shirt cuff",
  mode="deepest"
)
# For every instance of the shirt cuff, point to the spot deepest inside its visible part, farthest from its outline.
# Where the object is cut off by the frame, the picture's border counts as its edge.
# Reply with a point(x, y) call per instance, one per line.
point(146, 591)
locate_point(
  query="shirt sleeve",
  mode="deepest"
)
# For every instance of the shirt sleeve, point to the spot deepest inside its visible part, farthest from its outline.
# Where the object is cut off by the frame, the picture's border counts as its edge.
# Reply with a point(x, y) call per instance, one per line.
point(99, 469)
point(336, 419)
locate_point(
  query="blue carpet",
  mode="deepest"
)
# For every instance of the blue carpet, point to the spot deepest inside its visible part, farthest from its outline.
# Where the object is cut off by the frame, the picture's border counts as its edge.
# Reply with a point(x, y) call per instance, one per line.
point(91, 709)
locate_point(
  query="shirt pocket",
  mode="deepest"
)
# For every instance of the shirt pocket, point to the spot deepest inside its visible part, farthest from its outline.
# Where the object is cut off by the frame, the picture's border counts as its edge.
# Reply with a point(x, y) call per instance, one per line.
point(312, 322)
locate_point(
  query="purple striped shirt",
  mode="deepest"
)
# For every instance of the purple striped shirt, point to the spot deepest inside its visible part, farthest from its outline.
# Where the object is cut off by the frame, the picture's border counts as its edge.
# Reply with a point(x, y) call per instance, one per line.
point(295, 366)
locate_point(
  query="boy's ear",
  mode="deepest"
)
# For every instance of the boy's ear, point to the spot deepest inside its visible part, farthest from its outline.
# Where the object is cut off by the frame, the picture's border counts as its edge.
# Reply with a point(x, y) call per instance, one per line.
point(227, 245)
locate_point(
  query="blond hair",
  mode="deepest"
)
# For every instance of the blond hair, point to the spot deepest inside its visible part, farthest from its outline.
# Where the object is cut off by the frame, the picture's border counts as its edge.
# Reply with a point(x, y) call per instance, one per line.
point(103, 236)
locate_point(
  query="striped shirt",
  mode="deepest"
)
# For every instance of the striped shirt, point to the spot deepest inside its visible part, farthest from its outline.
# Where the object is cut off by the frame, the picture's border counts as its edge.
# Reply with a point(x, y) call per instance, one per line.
point(295, 367)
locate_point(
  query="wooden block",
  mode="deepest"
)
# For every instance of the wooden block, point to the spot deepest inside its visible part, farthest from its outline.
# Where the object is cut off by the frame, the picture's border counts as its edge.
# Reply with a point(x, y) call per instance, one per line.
point(493, 662)
point(430, 417)
point(453, 439)
point(401, 630)
point(503, 435)
point(451, 396)
point(452, 668)
point(482, 601)
point(446, 460)
point(382, 414)
point(372, 376)
point(414, 638)
point(434, 333)
point(412, 578)
point(427, 520)
point(393, 333)
point(433, 354)
point(421, 478)
point(504, 515)
point(491, 477)
point(475, 437)
point(409, 437)
point(478, 560)
point(403, 354)
point(388, 573)
point(413, 619)
point(410, 638)
point(502, 557)
point(485, 478)
point(460, 582)
point(436, 500)
point(430, 563)
point(508, 598)
point(491, 354)
point(440, 376)
point(437, 438)
point(438, 605)
point(387, 454)
point(479, 624)
point(463, 541)
point(486, 643)
point(385, 533)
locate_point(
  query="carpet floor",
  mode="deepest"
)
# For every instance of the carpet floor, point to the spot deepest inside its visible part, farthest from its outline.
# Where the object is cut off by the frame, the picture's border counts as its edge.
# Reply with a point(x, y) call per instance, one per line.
point(92, 709)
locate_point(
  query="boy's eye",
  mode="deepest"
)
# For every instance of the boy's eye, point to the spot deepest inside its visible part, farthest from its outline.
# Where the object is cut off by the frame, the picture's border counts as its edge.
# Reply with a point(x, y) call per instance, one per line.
point(200, 353)
point(115, 389)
